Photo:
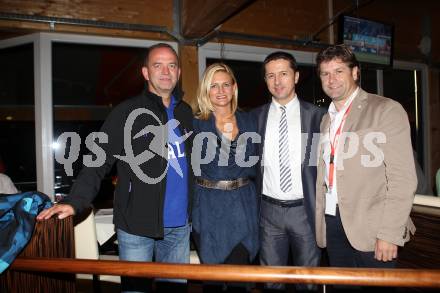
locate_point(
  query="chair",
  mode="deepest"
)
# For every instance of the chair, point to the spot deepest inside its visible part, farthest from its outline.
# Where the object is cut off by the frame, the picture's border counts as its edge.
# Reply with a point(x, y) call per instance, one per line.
point(86, 245)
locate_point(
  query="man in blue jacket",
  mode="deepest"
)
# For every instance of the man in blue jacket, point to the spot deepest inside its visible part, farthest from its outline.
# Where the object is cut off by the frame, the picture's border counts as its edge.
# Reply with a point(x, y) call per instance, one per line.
point(152, 197)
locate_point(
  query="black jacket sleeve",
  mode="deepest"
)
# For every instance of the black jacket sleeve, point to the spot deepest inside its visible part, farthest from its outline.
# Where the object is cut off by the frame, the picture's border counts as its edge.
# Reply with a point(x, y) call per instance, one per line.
point(88, 182)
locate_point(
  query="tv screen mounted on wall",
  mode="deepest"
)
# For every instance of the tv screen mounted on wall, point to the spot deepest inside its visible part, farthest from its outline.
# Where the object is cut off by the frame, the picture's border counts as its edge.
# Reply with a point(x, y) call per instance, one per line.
point(371, 41)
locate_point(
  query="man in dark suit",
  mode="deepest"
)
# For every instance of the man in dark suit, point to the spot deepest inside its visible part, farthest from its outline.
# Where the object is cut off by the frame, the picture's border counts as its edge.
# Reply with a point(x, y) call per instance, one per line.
point(287, 176)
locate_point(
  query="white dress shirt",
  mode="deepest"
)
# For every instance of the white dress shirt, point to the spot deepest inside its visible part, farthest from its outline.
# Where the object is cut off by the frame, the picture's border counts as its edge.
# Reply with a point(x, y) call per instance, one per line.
point(336, 118)
point(271, 177)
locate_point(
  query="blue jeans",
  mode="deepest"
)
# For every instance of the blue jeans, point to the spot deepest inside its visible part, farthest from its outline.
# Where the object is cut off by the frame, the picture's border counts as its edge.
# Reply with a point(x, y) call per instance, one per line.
point(172, 248)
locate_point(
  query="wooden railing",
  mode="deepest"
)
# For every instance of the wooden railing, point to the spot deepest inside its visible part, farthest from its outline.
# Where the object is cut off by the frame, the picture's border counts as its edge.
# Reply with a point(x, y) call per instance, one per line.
point(234, 273)
point(47, 264)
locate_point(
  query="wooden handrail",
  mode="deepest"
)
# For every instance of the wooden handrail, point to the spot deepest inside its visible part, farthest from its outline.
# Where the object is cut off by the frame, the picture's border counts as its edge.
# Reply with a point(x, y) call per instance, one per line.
point(235, 273)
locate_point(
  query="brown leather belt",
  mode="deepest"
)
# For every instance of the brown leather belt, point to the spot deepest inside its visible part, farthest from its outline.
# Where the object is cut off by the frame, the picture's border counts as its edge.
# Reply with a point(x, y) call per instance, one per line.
point(223, 184)
point(282, 203)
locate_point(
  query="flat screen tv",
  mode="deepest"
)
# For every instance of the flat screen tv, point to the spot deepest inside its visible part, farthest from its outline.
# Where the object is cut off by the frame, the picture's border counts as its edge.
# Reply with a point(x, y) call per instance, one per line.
point(371, 41)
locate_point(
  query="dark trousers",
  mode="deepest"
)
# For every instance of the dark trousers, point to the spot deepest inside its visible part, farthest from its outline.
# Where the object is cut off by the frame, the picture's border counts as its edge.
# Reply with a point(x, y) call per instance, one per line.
point(284, 230)
point(342, 254)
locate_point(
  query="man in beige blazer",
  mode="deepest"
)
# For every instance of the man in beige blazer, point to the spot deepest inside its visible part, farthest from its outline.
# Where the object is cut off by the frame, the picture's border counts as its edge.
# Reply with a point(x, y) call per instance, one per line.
point(366, 176)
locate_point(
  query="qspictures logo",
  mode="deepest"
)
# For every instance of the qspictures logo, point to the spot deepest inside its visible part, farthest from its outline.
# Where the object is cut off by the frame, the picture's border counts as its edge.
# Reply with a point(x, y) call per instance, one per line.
point(169, 146)
point(157, 147)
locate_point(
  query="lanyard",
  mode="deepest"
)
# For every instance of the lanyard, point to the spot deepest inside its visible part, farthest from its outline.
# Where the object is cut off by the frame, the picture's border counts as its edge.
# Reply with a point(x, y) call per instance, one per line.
point(333, 146)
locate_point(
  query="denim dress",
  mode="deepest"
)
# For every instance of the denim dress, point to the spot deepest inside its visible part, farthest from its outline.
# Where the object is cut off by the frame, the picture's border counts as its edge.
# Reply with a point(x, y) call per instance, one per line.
point(222, 219)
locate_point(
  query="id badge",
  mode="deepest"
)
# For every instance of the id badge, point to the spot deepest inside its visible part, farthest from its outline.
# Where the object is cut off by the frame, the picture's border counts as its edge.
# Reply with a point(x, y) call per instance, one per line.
point(330, 204)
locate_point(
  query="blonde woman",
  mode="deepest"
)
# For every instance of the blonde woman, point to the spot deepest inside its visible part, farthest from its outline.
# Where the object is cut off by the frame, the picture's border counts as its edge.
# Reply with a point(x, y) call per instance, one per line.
point(225, 201)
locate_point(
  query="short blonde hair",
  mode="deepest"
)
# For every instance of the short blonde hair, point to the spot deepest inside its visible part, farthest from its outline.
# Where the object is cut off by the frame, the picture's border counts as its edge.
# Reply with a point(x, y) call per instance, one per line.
point(204, 107)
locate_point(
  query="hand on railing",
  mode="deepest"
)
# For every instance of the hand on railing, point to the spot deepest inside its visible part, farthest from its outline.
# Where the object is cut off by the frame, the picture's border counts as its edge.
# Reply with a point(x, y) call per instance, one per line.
point(62, 210)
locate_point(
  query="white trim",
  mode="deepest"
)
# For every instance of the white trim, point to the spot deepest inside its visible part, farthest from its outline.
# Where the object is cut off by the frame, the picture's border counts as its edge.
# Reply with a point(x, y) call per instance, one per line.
point(246, 53)
point(17, 41)
point(427, 200)
point(43, 114)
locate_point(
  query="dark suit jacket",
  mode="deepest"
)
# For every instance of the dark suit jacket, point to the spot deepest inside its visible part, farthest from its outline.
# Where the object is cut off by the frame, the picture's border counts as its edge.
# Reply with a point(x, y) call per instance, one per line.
point(311, 116)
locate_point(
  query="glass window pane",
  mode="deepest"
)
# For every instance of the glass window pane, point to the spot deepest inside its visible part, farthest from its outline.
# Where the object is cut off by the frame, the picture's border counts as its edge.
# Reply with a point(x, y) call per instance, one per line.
point(404, 86)
point(95, 75)
point(85, 92)
point(368, 80)
point(17, 122)
point(309, 87)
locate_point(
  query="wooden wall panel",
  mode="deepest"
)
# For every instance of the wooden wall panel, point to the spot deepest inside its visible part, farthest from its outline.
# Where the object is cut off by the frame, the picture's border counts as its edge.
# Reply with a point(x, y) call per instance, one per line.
point(190, 73)
point(422, 250)
point(295, 20)
point(151, 12)
point(9, 29)
point(200, 17)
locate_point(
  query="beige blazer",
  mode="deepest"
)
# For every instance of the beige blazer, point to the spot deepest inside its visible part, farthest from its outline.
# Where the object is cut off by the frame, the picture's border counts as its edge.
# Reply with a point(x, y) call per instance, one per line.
point(374, 198)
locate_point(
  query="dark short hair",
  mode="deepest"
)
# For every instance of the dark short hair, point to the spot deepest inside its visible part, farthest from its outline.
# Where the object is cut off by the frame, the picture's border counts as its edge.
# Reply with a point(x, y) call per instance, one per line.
point(280, 55)
point(157, 46)
point(341, 52)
